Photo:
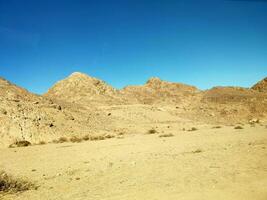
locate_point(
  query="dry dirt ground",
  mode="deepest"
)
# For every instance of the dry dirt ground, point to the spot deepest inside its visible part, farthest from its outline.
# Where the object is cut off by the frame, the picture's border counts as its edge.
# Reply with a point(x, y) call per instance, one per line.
point(223, 163)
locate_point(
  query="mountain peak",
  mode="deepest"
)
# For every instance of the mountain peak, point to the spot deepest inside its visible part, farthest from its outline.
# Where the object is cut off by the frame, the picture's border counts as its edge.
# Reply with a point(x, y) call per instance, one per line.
point(153, 80)
point(77, 74)
point(80, 87)
point(261, 86)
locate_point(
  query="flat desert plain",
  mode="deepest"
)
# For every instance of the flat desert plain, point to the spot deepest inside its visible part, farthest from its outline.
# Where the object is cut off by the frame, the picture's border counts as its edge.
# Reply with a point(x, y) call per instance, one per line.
point(208, 163)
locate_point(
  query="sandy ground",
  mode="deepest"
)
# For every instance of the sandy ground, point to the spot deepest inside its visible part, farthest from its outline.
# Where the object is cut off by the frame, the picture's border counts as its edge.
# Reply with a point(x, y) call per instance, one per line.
point(205, 164)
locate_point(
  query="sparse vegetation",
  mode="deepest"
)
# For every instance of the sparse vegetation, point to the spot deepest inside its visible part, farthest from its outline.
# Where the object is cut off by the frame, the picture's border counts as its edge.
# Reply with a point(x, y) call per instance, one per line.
point(192, 129)
point(42, 143)
point(62, 140)
point(20, 143)
point(238, 127)
point(86, 138)
point(75, 139)
point(151, 131)
point(83, 138)
point(121, 133)
point(216, 127)
point(197, 151)
point(109, 136)
point(13, 185)
point(166, 135)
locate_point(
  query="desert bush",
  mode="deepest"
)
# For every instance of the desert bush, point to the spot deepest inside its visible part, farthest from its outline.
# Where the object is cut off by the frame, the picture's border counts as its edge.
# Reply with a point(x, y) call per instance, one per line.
point(166, 135)
point(192, 129)
point(151, 131)
point(20, 143)
point(216, 127)
point(75, 139)
point(86, 138)
point(197, 151)
point(42, 143)
point(11, 184)
point(238, 127)
point(97, 137)
point(121, 133)
point(108, 136)
point(62, 139)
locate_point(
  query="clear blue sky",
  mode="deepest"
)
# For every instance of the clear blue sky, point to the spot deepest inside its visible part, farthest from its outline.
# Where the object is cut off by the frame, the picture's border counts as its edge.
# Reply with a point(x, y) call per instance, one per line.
point(199, 42)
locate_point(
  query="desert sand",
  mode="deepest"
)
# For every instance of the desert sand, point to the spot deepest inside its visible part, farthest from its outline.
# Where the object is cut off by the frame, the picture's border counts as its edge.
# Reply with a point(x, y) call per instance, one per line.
point(208, 163)
point(160, 140)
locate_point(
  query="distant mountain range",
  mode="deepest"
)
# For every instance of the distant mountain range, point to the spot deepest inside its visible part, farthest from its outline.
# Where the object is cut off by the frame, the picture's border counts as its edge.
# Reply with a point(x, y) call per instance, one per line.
point(81, 104)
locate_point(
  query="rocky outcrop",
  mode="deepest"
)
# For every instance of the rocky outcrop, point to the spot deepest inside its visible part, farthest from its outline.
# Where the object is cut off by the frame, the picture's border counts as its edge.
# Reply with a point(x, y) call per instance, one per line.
point(261, 86)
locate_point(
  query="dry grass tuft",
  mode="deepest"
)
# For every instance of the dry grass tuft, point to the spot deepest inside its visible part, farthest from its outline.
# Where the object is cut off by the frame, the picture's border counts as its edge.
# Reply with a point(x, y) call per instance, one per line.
point(20, 143)
point(197, 151)
point(60, 140)
point(151, 131)
point(166, 135)
point(12, 185)
point(42, 143)
point(121, 133)
point(86, 138)
point(216, 127)
point(109, 136)
point(192, 129)
point(76, 139)
point(238, 127)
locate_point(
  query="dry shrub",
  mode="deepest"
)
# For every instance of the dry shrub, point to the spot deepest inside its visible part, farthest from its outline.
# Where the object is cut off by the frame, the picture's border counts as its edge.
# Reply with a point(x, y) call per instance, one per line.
point(238, 127)
point(109, 136)
point(197, 151)
point(192, 129)
point(216, 127)
point(20, 143)
point(86, 138)
point(166, 135)
point(75, 139)
point(151, 131)
point(62, 139)
point(121, 133)
point(42, 143)
point(12, 185)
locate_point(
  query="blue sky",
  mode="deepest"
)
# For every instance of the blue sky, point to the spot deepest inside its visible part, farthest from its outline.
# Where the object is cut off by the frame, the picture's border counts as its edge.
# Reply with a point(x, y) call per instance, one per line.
point(124, 42)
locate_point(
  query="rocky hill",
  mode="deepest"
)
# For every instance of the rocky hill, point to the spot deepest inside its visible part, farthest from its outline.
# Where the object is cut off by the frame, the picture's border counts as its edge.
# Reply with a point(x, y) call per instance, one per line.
point(157, 91)
point(231, 104)
point(80, 105)
point(80, 88)
point(26, 116)
point(261, 86)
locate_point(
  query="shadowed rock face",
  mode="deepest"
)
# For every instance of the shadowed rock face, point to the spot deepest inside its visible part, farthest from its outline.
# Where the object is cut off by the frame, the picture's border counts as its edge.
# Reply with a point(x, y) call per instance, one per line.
point(261, 86)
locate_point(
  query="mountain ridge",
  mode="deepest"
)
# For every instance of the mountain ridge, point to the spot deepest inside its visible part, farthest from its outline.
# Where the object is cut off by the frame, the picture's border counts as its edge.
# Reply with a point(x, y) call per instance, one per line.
point(80, 104)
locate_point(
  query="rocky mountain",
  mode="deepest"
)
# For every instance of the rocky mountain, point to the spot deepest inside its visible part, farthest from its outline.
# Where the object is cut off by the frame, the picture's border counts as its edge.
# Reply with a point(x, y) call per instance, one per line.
point(261, 86)
point(26, 116)
point(158, 91)
point(80, 105)
point(80, 88)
